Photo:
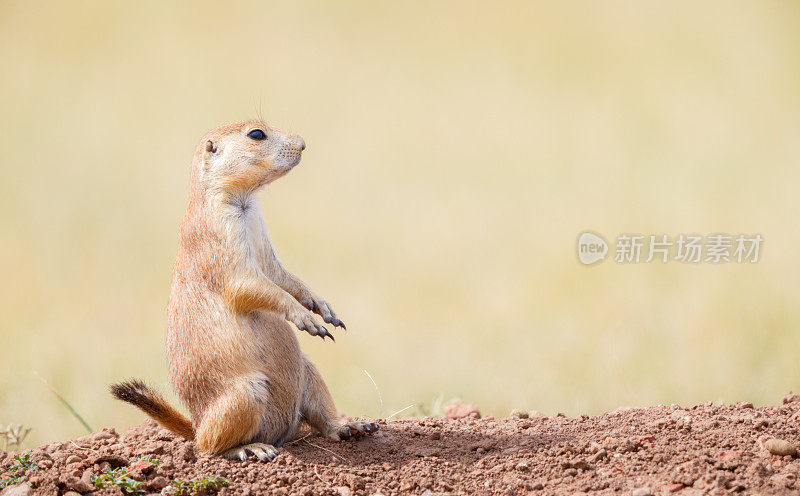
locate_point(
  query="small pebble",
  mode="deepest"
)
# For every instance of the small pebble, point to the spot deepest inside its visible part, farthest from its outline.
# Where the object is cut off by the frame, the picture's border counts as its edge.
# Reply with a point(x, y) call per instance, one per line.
point(18, 490)
point(579, 464)
point(52, 448)
point(791, 398)
point(522, 467)
point(458, 411)
point(158, 483)
point(104, 434)
point(141, 466)
point(72, 459)
point(780, 447)
point(642, 491)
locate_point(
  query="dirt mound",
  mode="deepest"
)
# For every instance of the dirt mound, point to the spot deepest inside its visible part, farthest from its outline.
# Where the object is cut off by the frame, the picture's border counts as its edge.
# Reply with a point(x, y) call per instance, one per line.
point(660, 450)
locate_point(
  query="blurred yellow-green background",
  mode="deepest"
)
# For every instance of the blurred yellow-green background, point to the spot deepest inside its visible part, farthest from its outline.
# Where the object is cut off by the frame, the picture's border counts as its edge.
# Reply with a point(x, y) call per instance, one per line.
point(456, 150)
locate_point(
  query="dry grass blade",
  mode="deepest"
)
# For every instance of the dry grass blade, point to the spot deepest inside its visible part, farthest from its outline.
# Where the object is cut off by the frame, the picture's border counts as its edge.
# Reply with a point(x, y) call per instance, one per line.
point(337, 455)
point(298, 440)
point(380, 398)
point(319, 476)
point(83, 447)
point(399, 411)
point(66, 403)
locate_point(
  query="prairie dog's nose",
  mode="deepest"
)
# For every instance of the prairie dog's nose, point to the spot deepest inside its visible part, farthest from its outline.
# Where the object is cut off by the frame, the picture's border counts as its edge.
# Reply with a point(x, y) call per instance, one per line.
point(301, 143)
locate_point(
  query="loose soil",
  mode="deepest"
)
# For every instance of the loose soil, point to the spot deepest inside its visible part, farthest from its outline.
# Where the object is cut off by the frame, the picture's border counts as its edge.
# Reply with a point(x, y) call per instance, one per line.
point(663, 450)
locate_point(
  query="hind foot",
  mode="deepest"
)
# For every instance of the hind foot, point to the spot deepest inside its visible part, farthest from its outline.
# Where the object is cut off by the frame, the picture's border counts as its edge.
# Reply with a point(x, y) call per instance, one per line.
point(264, 452)
point(356, 429)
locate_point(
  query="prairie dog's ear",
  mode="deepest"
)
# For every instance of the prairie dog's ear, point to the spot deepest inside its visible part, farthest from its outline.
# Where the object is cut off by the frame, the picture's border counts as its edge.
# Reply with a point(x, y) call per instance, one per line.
point(211, 148)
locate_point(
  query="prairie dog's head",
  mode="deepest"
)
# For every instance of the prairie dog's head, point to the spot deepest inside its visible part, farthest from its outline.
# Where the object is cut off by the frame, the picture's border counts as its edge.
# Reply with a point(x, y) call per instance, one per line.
point(246, 155)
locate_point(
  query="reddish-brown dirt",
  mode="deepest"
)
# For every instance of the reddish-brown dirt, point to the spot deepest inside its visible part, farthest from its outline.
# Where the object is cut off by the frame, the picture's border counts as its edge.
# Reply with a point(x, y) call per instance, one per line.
point(705, 449)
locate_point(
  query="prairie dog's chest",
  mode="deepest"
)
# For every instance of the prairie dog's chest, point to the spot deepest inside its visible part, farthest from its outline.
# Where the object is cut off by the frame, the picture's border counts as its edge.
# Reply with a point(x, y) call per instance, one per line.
point(254, 234)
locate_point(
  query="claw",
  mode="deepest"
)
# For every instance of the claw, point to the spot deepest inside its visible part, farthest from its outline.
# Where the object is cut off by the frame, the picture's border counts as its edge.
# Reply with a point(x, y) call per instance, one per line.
point(357, 429)
point(264, 452)
point(265, 455)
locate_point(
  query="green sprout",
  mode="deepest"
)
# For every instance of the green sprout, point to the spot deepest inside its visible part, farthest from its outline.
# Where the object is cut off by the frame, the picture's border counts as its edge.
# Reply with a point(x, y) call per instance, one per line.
point(205, 485)
point(147, 458)
point(119, 477)
point(22, 463)
point(8, 480)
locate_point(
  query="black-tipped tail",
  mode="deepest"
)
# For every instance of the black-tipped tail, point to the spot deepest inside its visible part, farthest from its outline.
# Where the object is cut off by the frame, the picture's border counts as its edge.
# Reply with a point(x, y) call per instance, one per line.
point(140, 395)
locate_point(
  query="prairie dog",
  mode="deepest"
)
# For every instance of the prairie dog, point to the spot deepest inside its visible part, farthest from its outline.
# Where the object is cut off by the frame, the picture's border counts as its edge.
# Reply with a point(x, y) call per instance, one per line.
point(234, 360)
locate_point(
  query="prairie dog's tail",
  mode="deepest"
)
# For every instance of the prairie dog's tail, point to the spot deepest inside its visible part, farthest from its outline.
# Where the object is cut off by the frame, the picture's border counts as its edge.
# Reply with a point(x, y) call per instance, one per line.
point(140, 395)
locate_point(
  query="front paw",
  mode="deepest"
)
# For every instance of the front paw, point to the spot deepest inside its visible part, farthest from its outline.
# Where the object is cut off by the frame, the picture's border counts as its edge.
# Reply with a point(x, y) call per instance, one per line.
point(323, 308)
point(305, 321)
point(356, 429)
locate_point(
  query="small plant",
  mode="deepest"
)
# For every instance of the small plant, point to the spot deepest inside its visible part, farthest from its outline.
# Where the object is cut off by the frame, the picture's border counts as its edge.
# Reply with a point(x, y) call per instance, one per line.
point(8, 480)
point(147, 458)
point(205, 485)
point(11, 436)
point(119, 477)
point(23, 462)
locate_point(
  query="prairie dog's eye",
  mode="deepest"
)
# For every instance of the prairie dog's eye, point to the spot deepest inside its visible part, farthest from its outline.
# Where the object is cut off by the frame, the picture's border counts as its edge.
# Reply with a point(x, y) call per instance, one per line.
point(257, 135)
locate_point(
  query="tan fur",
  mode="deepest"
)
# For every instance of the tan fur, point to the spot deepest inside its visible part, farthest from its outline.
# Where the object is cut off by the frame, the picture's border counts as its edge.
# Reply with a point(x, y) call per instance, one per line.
point(233, 359)
point(141, 395)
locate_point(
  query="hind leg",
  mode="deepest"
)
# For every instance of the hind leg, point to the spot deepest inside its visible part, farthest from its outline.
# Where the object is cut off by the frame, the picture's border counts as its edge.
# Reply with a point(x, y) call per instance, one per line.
point(232, 422)
point(320, 412)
